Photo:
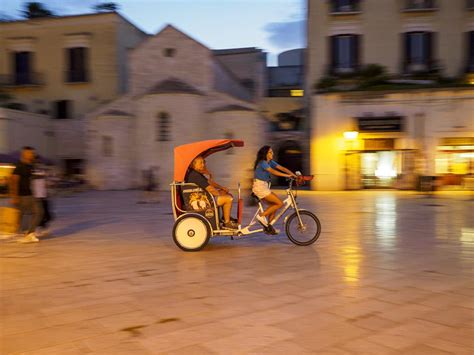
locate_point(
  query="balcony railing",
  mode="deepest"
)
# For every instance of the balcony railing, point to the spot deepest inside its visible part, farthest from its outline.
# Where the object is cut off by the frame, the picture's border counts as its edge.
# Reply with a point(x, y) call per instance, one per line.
point(76, 76)
point(22, 79)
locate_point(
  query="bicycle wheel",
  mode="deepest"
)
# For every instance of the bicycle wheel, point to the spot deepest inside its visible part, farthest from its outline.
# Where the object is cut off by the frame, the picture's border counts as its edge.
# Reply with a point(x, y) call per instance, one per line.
point(306, 234)
point(191, 232)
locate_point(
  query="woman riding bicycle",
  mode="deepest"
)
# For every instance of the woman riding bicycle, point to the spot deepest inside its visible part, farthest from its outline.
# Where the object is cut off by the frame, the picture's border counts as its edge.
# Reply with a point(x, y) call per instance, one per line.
point(264, 167)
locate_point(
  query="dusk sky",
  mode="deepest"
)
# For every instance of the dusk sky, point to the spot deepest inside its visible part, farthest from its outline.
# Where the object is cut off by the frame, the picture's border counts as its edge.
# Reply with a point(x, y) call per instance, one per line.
point(272, 25)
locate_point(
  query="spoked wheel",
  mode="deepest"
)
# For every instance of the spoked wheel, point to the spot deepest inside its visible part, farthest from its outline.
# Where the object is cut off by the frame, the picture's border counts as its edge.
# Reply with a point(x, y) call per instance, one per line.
point(305, 234)
point(191, 232)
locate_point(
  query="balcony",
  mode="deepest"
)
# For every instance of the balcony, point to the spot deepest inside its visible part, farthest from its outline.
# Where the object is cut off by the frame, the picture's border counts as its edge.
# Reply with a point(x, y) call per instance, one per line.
point(76, 76)
point(374, 77)
point(22, 79)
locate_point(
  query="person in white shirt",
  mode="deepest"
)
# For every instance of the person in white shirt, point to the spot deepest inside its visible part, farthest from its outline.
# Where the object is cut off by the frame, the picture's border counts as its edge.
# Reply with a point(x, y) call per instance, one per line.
point(40, 192)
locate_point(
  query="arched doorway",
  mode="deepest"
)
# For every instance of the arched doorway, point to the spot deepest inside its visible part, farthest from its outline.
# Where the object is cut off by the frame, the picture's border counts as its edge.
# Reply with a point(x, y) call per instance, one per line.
point(290, 155)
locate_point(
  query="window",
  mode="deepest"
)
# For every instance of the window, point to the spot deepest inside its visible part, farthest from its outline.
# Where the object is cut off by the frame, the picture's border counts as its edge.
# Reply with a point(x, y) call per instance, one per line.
point(62, 109)
point(470, 52)
point(419, 4)
point(344, 6)
point(77, 70)
point(470, 4)
point(107, 146)
point(344, 53)
point(418, 51)
point(22, 62)
point(169, 52)
point(163, 127)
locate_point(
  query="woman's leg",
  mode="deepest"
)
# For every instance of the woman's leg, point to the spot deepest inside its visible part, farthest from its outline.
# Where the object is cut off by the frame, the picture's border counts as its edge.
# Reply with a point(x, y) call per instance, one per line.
point(274, 204)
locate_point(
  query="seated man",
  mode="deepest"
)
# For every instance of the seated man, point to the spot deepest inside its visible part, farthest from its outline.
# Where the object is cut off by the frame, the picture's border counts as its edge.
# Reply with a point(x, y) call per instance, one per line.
point(223, 198)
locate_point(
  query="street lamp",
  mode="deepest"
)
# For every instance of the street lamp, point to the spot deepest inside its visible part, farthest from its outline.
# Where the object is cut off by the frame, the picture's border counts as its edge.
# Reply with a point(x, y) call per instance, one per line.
point(351, 135)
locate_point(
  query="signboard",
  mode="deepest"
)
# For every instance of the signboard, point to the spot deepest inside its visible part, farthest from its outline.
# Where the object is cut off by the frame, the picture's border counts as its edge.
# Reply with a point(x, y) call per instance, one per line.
point(379, 144)
point(380, 124)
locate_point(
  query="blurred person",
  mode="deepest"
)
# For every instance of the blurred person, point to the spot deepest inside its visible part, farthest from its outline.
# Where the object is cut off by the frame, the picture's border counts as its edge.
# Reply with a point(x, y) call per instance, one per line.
point(149, 186)
point(40, 184)
point(22, 196)
point(264, 167)
point(223, 197)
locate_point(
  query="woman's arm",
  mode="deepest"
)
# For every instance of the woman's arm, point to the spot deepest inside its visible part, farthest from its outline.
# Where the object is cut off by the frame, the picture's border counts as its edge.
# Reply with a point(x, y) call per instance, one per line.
point(288, 171)
point(279, 173)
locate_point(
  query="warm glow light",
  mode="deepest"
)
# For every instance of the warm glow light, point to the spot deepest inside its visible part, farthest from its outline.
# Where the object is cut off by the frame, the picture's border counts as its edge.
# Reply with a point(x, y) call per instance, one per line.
point(7, 166)
point(470, 79)
point(297, 92)
point(351, 135)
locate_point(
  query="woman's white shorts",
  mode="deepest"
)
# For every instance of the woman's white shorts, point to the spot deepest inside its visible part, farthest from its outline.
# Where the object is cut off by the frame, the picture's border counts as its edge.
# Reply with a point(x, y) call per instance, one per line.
point(261, 188)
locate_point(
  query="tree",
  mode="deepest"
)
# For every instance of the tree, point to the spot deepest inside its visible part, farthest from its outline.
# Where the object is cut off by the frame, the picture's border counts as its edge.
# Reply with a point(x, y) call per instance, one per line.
point(106, 6)
point(36, 10)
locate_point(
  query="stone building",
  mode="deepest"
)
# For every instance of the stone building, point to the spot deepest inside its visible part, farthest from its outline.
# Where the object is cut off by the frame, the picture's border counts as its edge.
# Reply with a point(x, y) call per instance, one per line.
point(63, 67)
point(284, 106)
point(179, 92)
point(391, 92)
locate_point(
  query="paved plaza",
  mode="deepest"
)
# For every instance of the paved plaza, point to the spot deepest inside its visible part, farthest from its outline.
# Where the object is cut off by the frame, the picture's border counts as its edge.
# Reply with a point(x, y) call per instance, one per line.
point(391, 273)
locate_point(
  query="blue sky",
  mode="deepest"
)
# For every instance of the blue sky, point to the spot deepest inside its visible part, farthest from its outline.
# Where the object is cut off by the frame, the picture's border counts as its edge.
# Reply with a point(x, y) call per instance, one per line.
point(273, 25)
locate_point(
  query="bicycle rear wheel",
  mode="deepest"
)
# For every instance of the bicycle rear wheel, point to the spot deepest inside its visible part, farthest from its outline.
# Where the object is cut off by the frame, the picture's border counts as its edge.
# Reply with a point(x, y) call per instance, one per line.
point(306, 234)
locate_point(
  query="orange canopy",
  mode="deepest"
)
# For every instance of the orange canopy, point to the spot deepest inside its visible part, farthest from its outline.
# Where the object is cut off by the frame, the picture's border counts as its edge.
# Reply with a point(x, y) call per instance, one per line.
point(185, 154)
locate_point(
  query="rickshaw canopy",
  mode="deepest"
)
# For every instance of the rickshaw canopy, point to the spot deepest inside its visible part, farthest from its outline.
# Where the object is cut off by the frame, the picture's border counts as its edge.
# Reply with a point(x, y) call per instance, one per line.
point(185, 154)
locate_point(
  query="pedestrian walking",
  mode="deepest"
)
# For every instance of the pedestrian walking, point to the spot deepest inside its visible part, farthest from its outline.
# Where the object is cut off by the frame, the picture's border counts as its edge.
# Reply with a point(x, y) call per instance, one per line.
point(40, 184)
point(22, 196)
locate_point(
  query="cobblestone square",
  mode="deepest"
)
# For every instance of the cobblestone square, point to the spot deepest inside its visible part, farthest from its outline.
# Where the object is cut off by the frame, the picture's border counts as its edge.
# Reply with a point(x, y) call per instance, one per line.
point(391, 273)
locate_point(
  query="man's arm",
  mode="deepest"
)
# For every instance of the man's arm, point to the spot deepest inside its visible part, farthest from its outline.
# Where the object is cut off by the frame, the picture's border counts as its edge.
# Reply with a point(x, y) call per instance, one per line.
point(214, 192)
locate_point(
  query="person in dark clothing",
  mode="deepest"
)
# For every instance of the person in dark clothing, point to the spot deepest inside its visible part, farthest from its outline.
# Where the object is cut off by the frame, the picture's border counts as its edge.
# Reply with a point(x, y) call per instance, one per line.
point(22, 196)
point(223, 197)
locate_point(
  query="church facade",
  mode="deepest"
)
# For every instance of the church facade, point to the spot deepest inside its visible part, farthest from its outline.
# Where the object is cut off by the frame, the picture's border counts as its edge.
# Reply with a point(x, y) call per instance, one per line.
point(178, 93)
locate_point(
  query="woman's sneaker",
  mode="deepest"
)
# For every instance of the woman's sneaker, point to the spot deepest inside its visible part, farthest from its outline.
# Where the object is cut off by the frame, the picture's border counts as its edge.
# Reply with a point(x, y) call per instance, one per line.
point(29, 238)
point(271, 230)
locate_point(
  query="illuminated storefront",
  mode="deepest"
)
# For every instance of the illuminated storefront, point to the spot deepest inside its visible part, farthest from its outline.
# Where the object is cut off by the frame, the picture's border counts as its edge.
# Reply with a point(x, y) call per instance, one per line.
point(394, 140)
point(455, 160)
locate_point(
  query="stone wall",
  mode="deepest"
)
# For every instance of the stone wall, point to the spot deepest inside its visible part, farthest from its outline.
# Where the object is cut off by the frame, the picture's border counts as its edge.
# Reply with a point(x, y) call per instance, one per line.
point(18, 129)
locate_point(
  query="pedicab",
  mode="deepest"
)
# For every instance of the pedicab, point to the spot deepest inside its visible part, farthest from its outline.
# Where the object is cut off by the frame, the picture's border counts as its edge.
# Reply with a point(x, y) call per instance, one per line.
point(197, 216)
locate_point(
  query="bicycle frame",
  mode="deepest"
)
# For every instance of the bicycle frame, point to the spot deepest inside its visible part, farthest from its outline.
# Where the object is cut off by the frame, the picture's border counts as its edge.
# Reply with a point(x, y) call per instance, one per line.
point(289, 202)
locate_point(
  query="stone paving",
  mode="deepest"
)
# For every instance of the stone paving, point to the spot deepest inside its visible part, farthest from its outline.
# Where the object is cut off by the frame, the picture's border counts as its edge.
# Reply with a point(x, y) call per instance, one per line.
point(391, 273)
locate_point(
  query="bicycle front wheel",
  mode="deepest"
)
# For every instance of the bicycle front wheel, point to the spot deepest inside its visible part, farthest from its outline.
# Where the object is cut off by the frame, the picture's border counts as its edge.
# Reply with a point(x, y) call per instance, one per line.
point(307, 232)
